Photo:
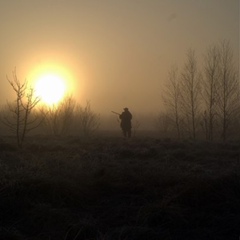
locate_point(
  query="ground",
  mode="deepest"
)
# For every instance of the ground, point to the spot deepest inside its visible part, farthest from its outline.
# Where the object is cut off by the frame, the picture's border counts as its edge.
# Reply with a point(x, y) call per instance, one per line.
point(122, 189)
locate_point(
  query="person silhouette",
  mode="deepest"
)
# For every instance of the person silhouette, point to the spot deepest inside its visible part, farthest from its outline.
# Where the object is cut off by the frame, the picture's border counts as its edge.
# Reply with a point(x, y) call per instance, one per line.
point(126, 124)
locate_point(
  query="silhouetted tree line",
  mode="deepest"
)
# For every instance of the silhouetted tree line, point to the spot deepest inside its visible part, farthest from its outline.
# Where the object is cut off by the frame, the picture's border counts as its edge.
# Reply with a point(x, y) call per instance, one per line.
point(67, 117)
point(200, 102)
point(203, 102)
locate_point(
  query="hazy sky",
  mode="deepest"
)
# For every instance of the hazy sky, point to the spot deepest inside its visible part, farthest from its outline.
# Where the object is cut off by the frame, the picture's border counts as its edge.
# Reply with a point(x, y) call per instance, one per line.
point(116, 53)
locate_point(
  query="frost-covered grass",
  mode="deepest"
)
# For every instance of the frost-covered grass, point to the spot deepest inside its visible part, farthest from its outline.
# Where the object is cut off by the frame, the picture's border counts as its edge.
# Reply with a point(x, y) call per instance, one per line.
point(112, 188)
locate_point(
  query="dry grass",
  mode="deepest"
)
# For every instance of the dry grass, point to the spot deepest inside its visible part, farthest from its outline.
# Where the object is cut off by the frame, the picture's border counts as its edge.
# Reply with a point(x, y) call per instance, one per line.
point(110, 188)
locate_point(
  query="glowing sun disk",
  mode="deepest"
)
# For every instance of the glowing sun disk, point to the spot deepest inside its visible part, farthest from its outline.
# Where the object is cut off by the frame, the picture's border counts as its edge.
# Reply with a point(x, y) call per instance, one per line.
point(50, 88)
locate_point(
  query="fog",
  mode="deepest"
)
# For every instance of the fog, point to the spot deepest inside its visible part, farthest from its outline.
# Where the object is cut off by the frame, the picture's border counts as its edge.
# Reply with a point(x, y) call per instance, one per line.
point(117, 53)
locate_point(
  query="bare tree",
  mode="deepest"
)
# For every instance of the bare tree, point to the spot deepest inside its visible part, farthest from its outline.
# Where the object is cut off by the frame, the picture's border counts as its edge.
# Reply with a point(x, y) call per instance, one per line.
point(88, 121)
point(171, 98)
point(163, 124)
point(67, 114)
point(209, 91)
point(59, 118)
point(228, 91)
point(190, 93)
point(18, 120)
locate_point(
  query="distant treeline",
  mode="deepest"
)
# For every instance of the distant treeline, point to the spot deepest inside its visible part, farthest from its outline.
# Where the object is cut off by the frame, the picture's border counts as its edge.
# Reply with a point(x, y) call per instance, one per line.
point(203, 101)
point(26, 114)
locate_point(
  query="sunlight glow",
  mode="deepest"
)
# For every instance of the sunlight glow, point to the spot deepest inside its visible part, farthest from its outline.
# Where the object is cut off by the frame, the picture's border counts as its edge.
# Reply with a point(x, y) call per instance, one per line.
point(52, 81)
point(50, 88)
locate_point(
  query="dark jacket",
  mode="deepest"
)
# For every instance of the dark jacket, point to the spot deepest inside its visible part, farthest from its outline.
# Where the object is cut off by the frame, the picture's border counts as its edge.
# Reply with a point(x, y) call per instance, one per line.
point(126, 118)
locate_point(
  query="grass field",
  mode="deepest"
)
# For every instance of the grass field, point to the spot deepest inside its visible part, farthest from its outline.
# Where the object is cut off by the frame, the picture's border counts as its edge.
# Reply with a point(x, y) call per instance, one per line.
point(119, 189)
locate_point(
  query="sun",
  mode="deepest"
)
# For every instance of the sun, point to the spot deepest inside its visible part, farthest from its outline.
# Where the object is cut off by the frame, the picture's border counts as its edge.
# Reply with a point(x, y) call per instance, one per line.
point(50, 88)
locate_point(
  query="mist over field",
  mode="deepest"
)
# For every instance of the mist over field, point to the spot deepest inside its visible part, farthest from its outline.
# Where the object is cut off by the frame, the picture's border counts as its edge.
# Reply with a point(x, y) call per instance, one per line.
point(115, 54)
point(119, 120)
